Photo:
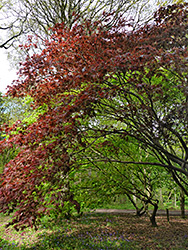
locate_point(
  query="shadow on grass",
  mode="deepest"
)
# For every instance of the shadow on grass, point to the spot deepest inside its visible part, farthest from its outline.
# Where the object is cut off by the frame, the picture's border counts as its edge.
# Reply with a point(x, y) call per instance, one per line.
point(89, 232)
point(4, 244)
point(84, 240)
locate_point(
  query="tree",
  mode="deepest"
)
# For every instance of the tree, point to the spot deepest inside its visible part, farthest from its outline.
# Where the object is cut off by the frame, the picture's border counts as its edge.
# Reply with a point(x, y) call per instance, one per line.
point(102, 176)
point(12, 110)
point(146, 99)
point(21, 18)
point(16, 109)
point(2, 113)
point(11, 26)
point(2, 121)
point(134, 78)
point(28, 17)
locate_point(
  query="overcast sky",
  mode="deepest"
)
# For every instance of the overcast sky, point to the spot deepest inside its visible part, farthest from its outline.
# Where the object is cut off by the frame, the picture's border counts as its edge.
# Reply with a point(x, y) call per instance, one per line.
point(6, 74)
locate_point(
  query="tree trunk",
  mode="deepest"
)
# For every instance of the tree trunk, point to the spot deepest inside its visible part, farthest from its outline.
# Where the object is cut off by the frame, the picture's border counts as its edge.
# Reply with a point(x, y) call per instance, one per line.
point(153, 216)
point(161, 196)
point(182, 203)
point(175, 201)
point(167, 215)
point(139, 211)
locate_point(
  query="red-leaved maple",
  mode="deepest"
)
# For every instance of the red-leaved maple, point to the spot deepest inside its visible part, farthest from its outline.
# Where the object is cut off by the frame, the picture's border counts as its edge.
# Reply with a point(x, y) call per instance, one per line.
point(121, 74)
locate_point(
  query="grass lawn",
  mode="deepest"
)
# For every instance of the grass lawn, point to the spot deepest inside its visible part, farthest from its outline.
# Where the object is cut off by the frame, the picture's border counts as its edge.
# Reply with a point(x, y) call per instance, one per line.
point(99, 231)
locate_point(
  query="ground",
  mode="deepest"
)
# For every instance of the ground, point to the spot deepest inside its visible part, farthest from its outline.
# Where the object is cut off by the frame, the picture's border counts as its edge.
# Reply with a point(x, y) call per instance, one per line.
point(112, 231)
point(168, 235)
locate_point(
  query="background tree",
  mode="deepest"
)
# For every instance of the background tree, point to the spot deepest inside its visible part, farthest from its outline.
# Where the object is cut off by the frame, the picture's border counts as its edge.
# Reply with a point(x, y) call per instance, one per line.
point(20, 18)
point(11, 25)
point(26, 17)
point(4, 118)
point(12, 110)
point(2, 112)
point(102, 176)
point(16, 109)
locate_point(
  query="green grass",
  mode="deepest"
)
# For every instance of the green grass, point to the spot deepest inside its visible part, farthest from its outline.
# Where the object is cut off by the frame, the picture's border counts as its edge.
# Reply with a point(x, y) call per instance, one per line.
point(128, 205)
point(117, 205)
point(89, 232)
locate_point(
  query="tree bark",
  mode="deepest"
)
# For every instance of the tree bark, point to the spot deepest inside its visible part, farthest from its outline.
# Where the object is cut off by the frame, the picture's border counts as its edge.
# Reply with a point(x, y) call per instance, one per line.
point(139, 211)
point(153, 215)
point(167, 215)
point(182, 203)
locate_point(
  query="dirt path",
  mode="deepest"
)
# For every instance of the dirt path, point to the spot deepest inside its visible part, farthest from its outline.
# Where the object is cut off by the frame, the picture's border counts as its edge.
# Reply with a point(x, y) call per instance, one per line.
point(131, 211)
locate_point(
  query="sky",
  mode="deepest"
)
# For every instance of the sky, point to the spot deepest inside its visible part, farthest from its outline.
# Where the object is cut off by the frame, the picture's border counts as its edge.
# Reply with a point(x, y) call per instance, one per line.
point(7, 75)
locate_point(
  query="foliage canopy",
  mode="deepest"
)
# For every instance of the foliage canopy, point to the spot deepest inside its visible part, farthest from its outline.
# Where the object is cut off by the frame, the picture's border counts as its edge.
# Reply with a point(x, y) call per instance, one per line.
point(92, 84)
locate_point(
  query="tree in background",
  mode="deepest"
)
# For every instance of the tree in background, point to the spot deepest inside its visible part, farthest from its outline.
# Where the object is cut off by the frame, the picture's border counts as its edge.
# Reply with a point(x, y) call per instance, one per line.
point(2, 112)
point(136, 79)
point(11, 26)
point(16, 109)
point(12, 110)
point(26, 17)
point(2, 121)
point(4, 158)
point(102, 176)
point(20, 18)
